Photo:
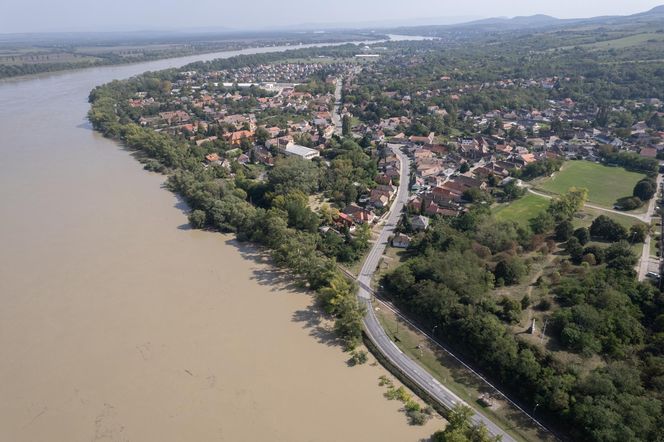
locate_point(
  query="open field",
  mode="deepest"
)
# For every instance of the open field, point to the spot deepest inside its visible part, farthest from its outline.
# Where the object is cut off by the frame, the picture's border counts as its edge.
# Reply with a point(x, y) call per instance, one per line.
point(28, 57)
point(605, 184)
point(522, 209)
point(526, 208)
point(626, 42)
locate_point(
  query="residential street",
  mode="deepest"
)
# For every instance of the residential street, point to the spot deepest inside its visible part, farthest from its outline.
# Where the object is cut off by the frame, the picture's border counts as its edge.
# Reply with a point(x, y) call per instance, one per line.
point(375, 331)
point(648, 263)
point(336, 114)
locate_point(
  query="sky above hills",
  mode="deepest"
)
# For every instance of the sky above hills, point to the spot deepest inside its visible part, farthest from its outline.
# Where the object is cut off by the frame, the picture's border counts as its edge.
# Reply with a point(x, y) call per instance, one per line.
point(128, 15)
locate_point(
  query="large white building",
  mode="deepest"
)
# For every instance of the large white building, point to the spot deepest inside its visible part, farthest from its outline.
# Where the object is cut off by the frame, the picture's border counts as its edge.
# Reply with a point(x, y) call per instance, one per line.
point(301, 151)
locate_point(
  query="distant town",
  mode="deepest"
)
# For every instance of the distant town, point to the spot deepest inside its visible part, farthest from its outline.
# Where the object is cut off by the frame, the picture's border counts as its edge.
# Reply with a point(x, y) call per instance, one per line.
point(253, 114)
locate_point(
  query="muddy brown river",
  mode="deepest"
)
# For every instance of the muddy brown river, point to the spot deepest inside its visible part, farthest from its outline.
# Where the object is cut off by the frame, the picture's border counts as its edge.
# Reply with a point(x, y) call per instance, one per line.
point(118, 323)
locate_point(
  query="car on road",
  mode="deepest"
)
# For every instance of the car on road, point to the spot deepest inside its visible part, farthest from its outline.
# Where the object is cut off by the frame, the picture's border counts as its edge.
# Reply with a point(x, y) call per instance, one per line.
point(653, 275)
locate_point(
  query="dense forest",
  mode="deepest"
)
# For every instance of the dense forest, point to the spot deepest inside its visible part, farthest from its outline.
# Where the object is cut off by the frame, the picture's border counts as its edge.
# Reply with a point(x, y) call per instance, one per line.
point(448, 285)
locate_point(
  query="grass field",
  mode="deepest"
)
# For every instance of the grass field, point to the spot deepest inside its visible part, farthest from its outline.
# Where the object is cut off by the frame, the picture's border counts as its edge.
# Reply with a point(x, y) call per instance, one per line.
point(522, 209)
point(586, 216)
point(605, 184)
point(626, 42)
point(526, 208)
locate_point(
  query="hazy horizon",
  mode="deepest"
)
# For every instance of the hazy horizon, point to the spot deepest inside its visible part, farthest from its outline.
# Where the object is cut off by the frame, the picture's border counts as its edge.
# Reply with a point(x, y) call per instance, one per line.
point(171, 15)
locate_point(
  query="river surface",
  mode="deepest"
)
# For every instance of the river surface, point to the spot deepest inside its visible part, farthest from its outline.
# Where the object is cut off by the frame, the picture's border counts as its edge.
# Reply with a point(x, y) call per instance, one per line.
point(118, 323)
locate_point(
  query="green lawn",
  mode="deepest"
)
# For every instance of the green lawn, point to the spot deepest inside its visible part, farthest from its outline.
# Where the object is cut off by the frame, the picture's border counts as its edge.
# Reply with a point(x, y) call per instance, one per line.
point(526, 208)
point(586, 216)
point(605, 184)
point(522, 209)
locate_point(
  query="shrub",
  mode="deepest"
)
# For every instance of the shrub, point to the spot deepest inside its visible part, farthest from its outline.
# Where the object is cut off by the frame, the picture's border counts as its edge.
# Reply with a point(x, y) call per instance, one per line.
point(629, 203)
point(417, 417)
point(605, 228)
point(564, 231)
point(544, 305)
point(583, 235)
point(589, 259)
point(197, 219)
point(525, 302)
point(638, 233)
point(358, 357)
point(511, 271)
point(412, 406)
point(645, 189)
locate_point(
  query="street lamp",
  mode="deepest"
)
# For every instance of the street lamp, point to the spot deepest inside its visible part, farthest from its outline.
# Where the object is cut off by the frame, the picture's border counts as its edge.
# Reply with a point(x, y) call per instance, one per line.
point(433, 331)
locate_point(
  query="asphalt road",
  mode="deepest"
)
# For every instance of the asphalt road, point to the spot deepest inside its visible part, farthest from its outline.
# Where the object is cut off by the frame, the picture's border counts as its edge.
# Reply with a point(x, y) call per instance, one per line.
point(336, 116)
point(648, 263)
point(375, 331)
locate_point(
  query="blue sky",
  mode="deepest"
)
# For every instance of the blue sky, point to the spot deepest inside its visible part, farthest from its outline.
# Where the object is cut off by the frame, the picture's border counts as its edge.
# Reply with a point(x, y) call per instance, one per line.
point(108, 15)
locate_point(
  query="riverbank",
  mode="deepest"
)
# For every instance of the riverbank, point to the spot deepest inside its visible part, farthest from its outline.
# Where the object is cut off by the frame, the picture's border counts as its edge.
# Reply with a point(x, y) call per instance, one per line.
point(18, 58)
point(119, 321)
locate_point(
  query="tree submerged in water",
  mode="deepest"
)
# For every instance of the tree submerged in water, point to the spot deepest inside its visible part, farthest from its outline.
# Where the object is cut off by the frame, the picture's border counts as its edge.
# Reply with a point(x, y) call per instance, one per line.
point(461, 429)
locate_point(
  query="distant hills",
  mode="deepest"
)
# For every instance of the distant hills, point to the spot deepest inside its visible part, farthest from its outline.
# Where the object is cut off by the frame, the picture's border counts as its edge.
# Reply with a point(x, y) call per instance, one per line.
point(428, 26)
point(539, 21)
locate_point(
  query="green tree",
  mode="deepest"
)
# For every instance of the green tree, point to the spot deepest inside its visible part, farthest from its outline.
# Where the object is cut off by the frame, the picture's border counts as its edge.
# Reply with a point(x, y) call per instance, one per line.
point(461, 429)
point(565, 206)
point(645, 189)
point(511, 271)
point(564, 230)
point(583, 235)
point(348, 324)
point(605, 228)
point(346, 126)
point(477, 195)
point(542, 223)
point(638, 233)
point(294, 174)
point(262, 135)
point(511, 310)
point(574, 248)
point(197, 219)
point(295, 204)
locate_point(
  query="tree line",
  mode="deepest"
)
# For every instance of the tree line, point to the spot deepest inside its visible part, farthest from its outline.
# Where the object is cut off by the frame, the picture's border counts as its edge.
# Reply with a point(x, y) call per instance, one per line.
point(272, 213)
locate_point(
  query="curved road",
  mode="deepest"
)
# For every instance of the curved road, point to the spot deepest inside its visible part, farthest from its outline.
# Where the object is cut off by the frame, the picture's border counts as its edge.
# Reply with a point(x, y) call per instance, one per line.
point(375, 331)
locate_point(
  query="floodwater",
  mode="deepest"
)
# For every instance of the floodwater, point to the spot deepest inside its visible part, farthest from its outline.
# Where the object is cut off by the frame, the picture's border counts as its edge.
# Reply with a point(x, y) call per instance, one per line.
point(118, 323)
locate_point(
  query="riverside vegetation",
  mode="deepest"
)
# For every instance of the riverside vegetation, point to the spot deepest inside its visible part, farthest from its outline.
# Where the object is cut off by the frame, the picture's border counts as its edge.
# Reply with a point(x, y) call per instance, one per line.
point(600, 374)
point(273, 212)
